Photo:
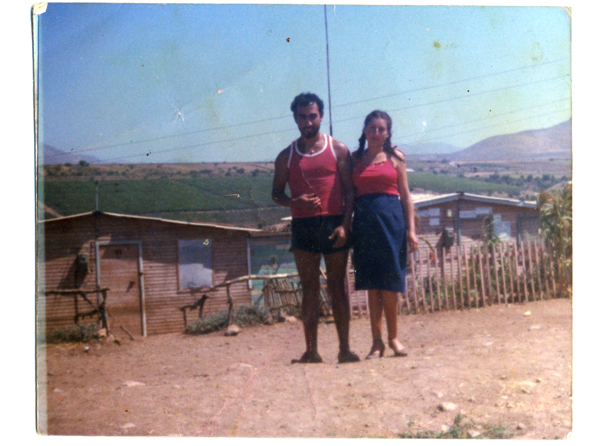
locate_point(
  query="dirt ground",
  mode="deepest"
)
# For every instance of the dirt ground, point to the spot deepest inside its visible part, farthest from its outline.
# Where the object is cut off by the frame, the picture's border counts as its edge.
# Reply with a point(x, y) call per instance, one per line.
point(493, 365)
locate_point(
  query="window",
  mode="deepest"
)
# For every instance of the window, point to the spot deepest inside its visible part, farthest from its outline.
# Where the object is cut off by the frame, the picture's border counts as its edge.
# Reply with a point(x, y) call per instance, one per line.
point(195, 265)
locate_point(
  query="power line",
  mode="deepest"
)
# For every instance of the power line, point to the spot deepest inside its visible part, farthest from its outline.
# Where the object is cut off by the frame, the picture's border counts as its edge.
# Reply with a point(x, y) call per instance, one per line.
point(437, 129)
point(174, 136)
point(463, 97)
point(338, 106)
point(495, 125)
point(200, 145)
point(451, 83)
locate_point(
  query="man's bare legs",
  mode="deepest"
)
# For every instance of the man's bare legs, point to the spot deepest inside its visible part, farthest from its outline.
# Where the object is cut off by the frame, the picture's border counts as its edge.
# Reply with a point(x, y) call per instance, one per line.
point(335, 265)
point(308, 264)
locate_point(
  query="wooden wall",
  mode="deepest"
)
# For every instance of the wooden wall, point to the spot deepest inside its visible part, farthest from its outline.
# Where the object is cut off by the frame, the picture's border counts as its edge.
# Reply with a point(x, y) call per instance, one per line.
point(64, 239)
point(470, 228)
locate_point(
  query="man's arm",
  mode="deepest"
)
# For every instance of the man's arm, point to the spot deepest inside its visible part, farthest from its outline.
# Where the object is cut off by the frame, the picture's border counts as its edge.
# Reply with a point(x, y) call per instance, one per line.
point(280, 179)
point(344, 165)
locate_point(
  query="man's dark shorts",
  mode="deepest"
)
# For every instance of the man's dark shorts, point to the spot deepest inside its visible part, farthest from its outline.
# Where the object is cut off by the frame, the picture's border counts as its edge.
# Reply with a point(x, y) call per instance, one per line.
point(312, 234)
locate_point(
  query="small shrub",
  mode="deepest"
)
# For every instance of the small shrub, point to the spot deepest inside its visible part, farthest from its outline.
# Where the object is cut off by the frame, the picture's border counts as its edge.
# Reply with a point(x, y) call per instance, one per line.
point(255, 315)
point(461, 431)
point(75, 333)
point(208, 324)
point(242, 316)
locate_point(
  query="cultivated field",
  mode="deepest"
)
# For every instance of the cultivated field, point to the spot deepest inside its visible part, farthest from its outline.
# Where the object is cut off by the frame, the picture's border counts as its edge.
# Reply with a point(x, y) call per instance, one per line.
point(240, 193)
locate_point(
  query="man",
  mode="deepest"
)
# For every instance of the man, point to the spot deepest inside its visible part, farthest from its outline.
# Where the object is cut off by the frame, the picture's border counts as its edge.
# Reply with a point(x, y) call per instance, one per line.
point(318, 170)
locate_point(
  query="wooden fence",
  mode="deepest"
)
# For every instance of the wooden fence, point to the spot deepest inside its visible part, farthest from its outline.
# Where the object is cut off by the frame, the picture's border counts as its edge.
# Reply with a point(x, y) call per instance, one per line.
point(460, 278)
point(479, 275)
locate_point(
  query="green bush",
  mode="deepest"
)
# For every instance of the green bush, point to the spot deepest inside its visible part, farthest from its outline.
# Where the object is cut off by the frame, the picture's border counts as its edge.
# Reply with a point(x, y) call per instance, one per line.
point(460, 431)
point(75, 333)
point(242, 316)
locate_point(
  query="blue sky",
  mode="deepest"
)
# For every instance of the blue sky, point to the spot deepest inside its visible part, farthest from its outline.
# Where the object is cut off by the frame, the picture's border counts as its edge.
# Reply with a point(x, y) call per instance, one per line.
point(135, 83)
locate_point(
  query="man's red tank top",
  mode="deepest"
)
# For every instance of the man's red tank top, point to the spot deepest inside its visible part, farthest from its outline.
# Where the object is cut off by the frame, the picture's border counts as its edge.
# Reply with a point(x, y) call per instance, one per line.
point(380, 178)
point(316, 173)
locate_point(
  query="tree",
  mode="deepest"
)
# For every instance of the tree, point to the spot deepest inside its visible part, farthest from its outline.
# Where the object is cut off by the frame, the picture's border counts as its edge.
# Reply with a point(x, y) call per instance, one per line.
point(556, 218)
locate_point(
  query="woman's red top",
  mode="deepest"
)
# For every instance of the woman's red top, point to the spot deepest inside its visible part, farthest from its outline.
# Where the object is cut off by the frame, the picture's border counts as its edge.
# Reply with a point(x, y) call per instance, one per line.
point(380, 178)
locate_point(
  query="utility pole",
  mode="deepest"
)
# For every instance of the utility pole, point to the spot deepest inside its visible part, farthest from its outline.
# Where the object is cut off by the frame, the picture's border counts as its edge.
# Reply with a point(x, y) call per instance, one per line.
point(328, 82)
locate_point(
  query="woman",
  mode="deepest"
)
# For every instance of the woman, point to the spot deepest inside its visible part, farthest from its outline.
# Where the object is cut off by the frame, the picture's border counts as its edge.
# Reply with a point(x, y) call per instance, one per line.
point(382, 227)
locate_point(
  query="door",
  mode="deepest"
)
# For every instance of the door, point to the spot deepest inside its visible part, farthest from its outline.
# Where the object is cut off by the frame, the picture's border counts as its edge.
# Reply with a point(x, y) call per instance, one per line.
point(120, 273)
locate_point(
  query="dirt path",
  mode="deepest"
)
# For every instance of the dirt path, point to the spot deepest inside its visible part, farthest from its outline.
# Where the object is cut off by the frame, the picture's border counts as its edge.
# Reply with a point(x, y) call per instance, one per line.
point(493, 364)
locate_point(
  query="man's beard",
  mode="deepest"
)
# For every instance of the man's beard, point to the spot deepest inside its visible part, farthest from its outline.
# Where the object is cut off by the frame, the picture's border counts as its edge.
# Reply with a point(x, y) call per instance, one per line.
point(310, 132)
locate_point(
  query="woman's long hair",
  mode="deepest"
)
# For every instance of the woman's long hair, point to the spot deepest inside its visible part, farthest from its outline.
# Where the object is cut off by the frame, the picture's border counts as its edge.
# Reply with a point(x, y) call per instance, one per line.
point(387, 144)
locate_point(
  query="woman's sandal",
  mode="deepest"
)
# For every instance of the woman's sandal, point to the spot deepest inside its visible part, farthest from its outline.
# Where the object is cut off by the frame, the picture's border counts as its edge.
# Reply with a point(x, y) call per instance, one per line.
point(398, 351)
point(376, 351)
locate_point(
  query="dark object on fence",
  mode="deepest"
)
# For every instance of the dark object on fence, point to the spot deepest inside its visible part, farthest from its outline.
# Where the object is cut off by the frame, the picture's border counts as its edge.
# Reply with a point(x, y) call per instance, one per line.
point(447, 237)
point(198, 304)
point(82, 264)
point(125, 330)
point(99, 309)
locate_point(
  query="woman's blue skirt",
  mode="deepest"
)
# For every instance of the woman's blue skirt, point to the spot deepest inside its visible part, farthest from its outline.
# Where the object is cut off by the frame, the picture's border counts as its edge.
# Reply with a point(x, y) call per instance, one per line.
point(379, 243)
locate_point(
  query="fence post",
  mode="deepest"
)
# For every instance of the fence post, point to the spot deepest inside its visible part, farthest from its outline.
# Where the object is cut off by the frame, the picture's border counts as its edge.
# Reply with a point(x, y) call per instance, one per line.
point(545, 268)
point(481, 254)
point(437, 280)
point(537, 268)
point(421, 282)
point(414, 281)
point(504, 290)
point(550, 256)
point(509, 252)
point(488, 272)
point(524, 269)
point(466, 258)
point(431, 296)
point(452, 278)
point(531, 271)
point(473, 264)
point(460, 277)
point(444, 256)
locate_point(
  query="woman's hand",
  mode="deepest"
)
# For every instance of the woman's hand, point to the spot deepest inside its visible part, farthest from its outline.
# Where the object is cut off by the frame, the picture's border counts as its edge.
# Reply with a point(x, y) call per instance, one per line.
point(413, 241)
point(340, 235)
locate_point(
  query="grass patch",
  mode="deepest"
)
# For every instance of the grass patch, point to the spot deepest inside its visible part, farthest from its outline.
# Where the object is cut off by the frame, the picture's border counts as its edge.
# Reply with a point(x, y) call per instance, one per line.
point(242, 316)
point(460, 431)
point(75, 333)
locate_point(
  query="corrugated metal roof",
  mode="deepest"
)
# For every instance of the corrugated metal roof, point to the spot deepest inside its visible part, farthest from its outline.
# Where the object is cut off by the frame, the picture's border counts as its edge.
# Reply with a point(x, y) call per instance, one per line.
point(473, 197)
point(139, 217)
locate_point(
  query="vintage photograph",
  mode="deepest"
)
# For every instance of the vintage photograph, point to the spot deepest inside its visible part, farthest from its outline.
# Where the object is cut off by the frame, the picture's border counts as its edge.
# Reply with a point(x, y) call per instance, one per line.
point(303, 221)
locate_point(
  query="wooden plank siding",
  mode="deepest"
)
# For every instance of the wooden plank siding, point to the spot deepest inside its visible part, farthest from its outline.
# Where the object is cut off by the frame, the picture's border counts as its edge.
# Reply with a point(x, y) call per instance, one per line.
point(65, 238)
point(470, 231)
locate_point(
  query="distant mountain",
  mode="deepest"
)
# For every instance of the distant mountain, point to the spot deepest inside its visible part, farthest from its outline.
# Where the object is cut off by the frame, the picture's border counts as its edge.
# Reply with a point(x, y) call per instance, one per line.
point(552, 142)
point(52, 155)
point(428, 148)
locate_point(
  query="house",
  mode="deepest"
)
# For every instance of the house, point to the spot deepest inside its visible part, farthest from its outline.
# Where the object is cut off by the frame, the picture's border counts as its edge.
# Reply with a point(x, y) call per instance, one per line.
point(270, 253)
point(151, 267)
point(463, 218)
